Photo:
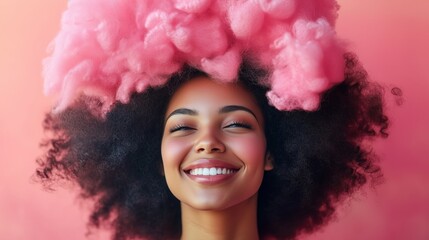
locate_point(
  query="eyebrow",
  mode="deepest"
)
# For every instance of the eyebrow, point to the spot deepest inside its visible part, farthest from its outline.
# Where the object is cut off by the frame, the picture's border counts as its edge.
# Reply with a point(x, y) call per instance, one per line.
point(225, 109)
point(185, 111)
point(232, 108)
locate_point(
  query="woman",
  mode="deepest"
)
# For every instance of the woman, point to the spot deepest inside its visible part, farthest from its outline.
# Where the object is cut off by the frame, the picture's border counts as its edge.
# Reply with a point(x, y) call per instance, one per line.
point(214, 156)
point(212, 146)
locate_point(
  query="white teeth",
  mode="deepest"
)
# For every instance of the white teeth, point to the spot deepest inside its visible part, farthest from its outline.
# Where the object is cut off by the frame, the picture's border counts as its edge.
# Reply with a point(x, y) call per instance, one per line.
point(211, 171)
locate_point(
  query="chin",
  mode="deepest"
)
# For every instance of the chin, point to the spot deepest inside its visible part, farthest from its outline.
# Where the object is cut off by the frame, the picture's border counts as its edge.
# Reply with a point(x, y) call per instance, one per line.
point(215, 204)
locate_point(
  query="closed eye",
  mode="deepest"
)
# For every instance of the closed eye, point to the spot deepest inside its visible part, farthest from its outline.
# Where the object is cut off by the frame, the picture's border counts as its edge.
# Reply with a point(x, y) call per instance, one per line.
point(180, 128)
point(238, 125)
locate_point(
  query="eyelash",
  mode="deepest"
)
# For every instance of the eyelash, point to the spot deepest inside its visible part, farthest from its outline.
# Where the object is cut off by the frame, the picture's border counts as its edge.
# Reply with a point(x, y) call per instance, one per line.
point(179, 128)
point(233, 124)
point(239, 124)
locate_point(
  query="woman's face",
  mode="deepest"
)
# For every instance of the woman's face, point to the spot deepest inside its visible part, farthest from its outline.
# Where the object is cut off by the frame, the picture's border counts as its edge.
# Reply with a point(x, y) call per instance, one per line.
point(213, 146)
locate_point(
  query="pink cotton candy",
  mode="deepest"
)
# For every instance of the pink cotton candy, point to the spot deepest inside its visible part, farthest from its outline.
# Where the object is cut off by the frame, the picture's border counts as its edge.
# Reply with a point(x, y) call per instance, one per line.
point(192, 6)
point(224, 67)
point(128, 84)
point(113, 48)
point(300, 74)
point(207, 38)
point(281, 9)
point(246, 18)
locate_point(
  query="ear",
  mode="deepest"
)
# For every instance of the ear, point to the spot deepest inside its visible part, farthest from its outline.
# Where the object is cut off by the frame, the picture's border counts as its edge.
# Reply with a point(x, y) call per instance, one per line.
point(268, 165)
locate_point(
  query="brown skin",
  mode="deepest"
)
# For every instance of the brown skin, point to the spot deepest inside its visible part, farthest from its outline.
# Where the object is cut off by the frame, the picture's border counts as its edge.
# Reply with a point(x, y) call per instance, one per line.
point(234, 223)
point(208, 133)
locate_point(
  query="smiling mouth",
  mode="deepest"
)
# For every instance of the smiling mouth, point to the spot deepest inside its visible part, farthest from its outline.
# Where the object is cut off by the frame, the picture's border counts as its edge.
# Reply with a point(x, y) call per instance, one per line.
point(213, 171)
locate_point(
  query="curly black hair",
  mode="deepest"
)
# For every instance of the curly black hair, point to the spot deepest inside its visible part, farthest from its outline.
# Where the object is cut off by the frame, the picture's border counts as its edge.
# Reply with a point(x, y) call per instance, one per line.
point(320, 157)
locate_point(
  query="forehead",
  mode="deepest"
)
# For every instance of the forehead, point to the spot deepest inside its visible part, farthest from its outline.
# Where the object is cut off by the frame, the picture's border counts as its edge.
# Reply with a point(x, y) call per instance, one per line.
point(203, 92)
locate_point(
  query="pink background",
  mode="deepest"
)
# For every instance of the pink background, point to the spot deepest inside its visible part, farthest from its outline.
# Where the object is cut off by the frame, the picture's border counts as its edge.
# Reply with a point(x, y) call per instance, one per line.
point(391, 38)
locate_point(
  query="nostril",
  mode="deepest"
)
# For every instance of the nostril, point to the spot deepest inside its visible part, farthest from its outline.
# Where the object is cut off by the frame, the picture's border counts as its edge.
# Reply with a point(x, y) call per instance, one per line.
point(212, 146)
point(215, 149)
point(200, 150)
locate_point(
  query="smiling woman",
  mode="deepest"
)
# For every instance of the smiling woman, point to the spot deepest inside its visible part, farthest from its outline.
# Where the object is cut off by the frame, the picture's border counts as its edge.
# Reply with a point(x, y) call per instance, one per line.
point(257, 133)
point(214, 152)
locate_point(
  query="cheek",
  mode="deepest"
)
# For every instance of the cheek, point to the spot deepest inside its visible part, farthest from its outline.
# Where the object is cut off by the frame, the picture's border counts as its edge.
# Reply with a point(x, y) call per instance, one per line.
point(173, 152)
point(250, 149)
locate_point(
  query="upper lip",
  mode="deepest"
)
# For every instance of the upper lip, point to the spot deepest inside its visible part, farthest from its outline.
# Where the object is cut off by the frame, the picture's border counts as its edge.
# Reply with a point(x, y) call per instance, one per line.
point(209, 163)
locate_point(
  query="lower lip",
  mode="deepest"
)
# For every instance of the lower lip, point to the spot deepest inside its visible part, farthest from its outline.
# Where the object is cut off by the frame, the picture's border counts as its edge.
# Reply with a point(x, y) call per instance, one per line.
point(211, 180)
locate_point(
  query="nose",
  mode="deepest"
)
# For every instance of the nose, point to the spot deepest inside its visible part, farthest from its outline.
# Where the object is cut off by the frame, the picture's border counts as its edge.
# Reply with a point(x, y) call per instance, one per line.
point(209, 143)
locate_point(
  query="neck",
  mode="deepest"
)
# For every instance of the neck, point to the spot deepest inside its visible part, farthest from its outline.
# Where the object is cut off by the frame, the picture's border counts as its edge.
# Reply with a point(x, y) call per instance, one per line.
point(236, 222)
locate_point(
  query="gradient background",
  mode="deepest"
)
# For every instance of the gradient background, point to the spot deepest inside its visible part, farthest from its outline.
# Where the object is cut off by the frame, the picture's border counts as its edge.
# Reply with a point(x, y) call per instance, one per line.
point(391, 38)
